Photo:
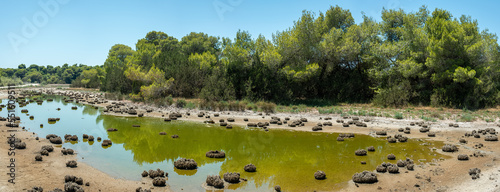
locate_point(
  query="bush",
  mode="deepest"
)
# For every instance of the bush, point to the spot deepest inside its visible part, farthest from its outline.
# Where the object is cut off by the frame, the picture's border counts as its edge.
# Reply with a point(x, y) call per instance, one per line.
point(395, 96)
point(180, 103)
point(267, 107)
point(190, 105)
point(398, 115)
point(467, 117)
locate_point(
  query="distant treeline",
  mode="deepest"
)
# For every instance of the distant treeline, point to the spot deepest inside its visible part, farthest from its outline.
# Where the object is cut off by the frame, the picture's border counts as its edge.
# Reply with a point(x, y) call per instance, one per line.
point(419, 58)
point(64, 74)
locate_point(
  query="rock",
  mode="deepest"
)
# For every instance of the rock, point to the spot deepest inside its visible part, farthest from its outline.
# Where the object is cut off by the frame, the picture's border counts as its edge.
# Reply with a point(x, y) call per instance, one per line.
point(38, 158)
point(381, 133)
point(153, 174)
point(44, 152)
point(250, 168)
point(403, 139)
point(232, 177)
point(401, 163)
point(72, 187)
point(215, 181)
point(144, 173)
point(185, 164)
point(36, 189)
point(216, 154)
point(491, 138)
point(175, 136)
point(20, 145)
point(340, 138)
point(159, 182)
point(106, 143)
point(410, 167)
point(474, 173)
point(463, 157)
point(391, 157)
point(392, 140)
point(163, 133)
point(360, 152)
point(371, 148)
point(449, 148)
point(364, 177)
point(252, 125)
point(229, 127)
point(381, 169)
point(112, 129)
point(392, 169)
point(317, 128)
point(67, 151)
point(139, 189)
point(423, 130)
point(277, 188)
point(71, 164)
point(91, 138)
point(320, 175)
point(462, 140)
point(56, 140)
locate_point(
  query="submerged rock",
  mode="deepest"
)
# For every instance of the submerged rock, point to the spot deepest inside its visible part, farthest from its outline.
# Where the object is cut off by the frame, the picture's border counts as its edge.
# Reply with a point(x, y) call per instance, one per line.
point(320, 175)
point(216, 154)
point(360, 152)
point(232, 177)
point(250, 168)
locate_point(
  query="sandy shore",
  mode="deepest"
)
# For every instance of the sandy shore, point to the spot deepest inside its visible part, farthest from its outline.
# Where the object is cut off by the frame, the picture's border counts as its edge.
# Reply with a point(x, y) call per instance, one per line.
point(440, 175)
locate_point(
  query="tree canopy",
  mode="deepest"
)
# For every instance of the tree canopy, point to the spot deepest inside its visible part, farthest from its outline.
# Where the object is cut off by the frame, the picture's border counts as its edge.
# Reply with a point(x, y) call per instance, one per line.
point(423, 57)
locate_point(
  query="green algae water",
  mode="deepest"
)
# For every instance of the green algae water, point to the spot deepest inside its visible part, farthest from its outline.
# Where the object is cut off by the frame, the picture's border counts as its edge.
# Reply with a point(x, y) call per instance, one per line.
point(282, 157)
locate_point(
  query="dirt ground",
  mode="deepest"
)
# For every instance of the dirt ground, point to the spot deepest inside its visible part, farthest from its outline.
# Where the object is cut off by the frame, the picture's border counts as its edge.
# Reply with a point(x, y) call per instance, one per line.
point(442, 175)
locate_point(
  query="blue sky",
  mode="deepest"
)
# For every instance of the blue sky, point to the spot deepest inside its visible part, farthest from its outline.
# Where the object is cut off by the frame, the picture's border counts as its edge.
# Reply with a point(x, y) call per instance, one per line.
point(72, 31)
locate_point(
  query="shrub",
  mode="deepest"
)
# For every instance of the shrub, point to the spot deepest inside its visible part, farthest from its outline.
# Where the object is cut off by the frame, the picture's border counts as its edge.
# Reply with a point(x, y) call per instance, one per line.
point(398, 115)
point(267, 107)
point(180, 103)
point(467, 117)
point(190, 105)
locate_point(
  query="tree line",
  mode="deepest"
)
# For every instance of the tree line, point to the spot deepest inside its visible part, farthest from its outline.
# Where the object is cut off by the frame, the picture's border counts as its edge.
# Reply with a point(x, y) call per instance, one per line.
point(65, 74)
point(417, 58)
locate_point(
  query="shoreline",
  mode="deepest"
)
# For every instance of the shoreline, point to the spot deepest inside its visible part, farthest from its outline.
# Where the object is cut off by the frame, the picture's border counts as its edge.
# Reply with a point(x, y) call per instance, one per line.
point(440, 176)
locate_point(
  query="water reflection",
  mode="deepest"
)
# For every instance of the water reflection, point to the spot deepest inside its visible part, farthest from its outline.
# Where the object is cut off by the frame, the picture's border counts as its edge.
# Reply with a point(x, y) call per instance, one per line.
point(285, 158)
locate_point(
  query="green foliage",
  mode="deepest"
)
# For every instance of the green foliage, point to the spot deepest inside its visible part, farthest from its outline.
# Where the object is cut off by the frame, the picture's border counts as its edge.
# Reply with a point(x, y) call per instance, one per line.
point(466, 117)
point(190, 105)
point(64, 74)
point(408, 58)
point(5, 81)
point(180, 103)
point(398, 115)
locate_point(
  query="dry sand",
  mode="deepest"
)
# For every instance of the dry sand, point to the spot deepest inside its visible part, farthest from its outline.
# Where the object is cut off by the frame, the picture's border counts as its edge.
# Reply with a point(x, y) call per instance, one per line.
point(440, 175)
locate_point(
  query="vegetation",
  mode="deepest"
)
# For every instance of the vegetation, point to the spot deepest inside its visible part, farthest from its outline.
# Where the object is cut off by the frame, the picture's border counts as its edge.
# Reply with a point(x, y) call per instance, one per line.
point(85, 76)
point(417, 58)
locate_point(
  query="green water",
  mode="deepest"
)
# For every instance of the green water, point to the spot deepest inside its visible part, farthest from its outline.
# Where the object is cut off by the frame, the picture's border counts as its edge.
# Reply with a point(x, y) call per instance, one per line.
point(285, 158)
